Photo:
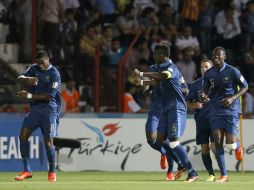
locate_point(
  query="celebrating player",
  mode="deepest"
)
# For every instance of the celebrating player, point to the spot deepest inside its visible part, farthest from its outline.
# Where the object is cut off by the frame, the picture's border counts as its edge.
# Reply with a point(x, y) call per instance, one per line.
point(42, 81)
point(167, 157)
point(221, 84)
point(196, 102)
point(173, 117)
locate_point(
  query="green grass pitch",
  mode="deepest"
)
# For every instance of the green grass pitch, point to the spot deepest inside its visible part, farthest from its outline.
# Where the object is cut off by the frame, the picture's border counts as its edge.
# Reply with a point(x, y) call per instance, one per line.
point(122, 181)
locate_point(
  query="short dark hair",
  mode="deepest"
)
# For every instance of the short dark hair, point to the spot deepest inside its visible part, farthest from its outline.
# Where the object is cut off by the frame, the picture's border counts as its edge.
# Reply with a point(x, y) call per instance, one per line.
point(220, 48)
point(41, 54)
point(164, 47)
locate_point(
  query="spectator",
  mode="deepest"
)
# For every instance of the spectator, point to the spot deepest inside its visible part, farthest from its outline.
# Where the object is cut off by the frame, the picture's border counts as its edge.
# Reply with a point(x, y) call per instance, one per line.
point(189, 13)
point(128, 25)
point(130, 104)
point(150, 23)
point(187, 66)
point(187, 40)
point(168, 20)
point(205, 26)
point(248, 24)
point(247, 105)
point(116, 52)
point(71, 97)
point(248, 67)
point(69, 32)
point(51, 14)
point(228, 27)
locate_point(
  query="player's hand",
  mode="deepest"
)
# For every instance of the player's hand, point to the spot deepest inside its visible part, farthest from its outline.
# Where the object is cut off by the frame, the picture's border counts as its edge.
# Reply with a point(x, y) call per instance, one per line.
point(205, 98)
point(195, 105)
point(227, 101)
point(136, 73)
point(32, 81)
point(137, 81)
point(22, 94)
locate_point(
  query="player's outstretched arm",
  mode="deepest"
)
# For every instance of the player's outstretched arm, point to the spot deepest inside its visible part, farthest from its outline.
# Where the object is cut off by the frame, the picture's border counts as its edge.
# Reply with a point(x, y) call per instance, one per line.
point(42, 97)
point(152, 75)
point(27, 81)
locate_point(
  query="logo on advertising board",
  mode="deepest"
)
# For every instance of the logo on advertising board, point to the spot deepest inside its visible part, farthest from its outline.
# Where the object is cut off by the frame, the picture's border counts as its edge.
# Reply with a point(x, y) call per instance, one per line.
point(106, 141)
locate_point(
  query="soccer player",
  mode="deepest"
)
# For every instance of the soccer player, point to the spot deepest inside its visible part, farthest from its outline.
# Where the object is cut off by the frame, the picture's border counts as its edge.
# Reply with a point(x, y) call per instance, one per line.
point(196, 102)
point(167, 157)
point(224, 85)
point(173, 117)
point(43, 82)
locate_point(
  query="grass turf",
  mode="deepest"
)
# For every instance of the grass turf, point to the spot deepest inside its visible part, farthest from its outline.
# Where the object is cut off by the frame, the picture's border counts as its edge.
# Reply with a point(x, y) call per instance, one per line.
point(123, 181)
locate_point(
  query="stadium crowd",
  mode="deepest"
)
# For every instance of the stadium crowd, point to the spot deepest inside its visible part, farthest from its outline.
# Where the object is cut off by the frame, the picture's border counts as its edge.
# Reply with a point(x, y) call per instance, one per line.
point(74, 31)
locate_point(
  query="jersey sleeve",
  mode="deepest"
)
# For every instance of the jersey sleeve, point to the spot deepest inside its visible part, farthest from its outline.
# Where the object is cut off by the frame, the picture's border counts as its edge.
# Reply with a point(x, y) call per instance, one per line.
point(192, 93)
point(205, 84)
point(240, 80)
point(30, 72)
point(55, 83)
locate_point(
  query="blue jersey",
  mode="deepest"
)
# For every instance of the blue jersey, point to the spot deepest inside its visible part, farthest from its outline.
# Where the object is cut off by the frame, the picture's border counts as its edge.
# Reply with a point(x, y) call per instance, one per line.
point(49, 81)
point(170, 90)
point(155, 102)
point(221, 84)
point(195, 94)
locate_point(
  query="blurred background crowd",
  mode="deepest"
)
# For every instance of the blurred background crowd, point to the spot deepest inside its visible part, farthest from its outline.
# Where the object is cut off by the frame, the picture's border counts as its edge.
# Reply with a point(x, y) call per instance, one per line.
point(120, 34)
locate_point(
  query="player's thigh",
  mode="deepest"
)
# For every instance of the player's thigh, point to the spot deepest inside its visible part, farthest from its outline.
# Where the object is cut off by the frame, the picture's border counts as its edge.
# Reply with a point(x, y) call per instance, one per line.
point(49, 125)
point(31, 121)
point(25, 133)
point(231, 123)
point(202, 131)
point(217, 122)
point(152, 121)
point(176, 124)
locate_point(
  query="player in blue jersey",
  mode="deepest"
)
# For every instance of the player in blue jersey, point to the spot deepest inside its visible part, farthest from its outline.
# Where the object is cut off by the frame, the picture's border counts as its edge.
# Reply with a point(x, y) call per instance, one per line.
point(224, 85)
point(197, 103)
point(167, 157)
point(173, 117)
point(42, 81)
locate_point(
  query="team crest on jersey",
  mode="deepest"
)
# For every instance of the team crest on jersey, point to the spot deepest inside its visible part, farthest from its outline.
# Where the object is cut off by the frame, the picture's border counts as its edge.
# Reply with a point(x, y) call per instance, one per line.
point(225, 79)
point(47, 78)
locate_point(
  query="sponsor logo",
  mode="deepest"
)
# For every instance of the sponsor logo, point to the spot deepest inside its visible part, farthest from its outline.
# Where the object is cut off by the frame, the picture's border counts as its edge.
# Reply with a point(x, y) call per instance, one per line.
point(101, 143)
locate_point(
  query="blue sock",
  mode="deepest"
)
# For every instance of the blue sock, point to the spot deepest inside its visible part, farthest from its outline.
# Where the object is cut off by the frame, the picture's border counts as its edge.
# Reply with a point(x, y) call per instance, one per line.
point(208, 163)
point(221, 161)
point(170, 163)
point(157, 146)
point(177, 160)
point(51, 154)
point(183, 156)
point(25, 150)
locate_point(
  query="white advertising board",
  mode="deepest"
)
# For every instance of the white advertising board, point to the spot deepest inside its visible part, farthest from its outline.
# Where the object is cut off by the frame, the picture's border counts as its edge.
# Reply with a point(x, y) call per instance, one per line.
point(119, 144)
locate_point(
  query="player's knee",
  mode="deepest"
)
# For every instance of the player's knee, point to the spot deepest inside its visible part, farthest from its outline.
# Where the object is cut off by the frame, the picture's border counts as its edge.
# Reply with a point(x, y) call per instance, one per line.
point(174, 144)
point(151, 142)
point(23, 138)
point(231, 146)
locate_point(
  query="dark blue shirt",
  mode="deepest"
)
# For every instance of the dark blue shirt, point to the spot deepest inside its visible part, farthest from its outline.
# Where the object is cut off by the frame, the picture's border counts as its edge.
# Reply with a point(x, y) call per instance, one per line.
point(171, 88)
point(155, 98)
point(195, 95)
point(221, 84)
point(49, 81)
